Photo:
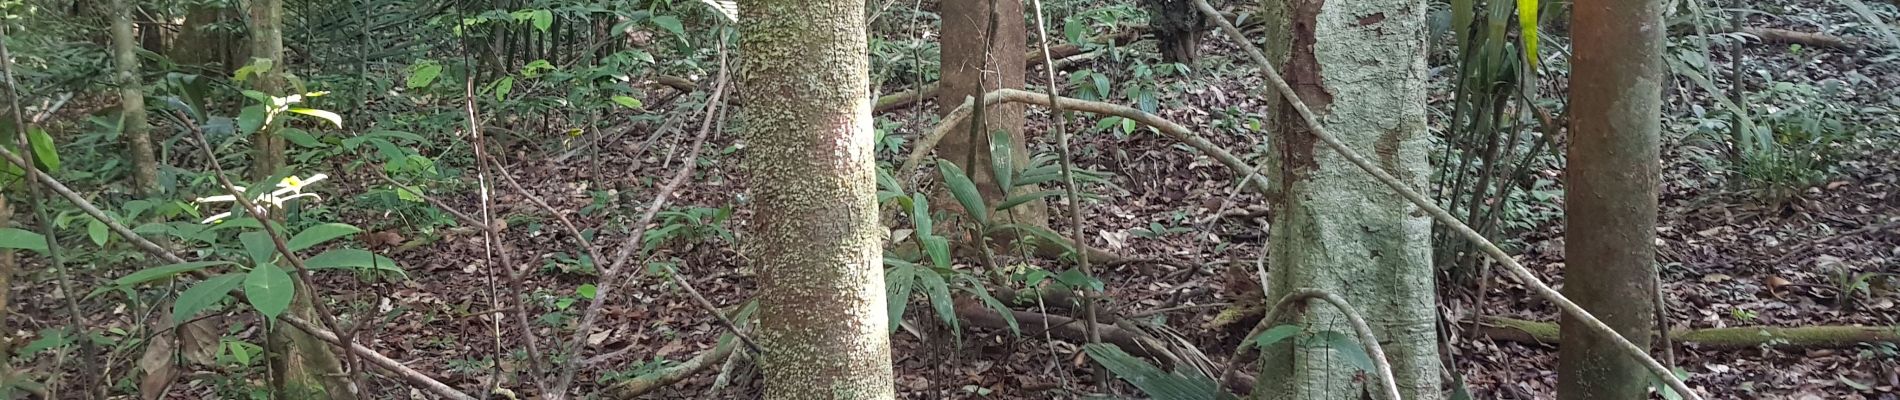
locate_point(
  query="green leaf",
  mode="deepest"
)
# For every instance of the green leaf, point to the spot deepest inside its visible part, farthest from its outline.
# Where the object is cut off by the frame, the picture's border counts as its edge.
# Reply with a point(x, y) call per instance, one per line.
point(269, 289)
point(587, 291)
point(49, 338)
point(316, 235)
point(1348, 348)
point(1276, 334)
point(671, 24)
point(353, 259)
point(96, 231)
point(250, 119)
point(976, 288)
point(939, 294)
point(1527, 29)
point(43, 150)
point(503, 87)
point(937, 247)
point(920, 215)
point(1017, 200)
point(1001, 159)
point(16, 238)
point(1036, 231)
point(165, 271)
point(423, 74)
point(1075, 279)
point(965, 191)
point(301, 137)
point(258, 246)
point(1177, 385)
point(898, 281)
point(334, 119)
point(628, 102)
point(203, 295)
point(543, 19)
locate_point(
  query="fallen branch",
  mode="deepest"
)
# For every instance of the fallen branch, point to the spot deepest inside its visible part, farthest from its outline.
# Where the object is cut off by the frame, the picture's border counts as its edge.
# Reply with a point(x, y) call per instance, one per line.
point(1810, 39)
point(1518, 271)
point(1547, 333)
point(645, 383)
point(395, 368)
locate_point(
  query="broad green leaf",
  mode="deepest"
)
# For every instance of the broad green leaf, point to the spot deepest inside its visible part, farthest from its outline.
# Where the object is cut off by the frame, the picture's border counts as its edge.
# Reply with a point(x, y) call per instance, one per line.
point(319, 234)
point(920, 215)
point(98, 232)
point(269, 289)
point(887, 182)
point(203, 295)
point(898, 281)
point(939, 293)
point(726, 8)
point(671, 24)
point(16, 238)
point(503, 87)
point(1527, 30)
point(1040, 233)
point(424, 74)
point(937, 247)
point(165, 271)
point(543, 19)
point(587, 291)
point(1154, 382)
point(50, 338)
point(258, 246)
point(334, 119)
point(965, 192)
point(1001, 159)
point(1017, 200)
point(628, 102)
point(43, 149)
point(301, 137)
point(1276, 334)
point(250, 119)
point(976, 288)
point(353, 259)
point(1348, 348)
point(1075, 278)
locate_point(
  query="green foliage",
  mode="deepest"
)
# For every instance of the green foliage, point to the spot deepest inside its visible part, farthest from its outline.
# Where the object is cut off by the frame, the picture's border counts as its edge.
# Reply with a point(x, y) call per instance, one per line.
point(1180, 384)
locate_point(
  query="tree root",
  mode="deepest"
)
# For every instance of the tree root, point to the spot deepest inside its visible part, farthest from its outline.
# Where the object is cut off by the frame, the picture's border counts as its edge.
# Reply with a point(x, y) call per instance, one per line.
point(648, 382)
point(1547, 333)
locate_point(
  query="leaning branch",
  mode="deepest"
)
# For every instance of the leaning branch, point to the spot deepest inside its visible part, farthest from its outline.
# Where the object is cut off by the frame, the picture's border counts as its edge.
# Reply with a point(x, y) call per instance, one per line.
point(1517, 270)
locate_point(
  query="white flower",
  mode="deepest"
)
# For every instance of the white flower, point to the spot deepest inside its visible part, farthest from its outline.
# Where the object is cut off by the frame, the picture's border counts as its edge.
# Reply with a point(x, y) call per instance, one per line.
point(290, 187)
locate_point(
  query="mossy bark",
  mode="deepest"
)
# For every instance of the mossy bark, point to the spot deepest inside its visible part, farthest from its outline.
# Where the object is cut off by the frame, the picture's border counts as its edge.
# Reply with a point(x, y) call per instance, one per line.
point(134, 129)
point(1360, 66)
point(816, 241)
point(1610, 193)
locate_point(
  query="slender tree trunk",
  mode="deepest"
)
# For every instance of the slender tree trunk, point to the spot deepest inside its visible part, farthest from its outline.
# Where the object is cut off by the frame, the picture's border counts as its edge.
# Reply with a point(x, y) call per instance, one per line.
point(7, 266)
point(975, 61)
point(267, 42)
point(132, 124)
point(1610, 193)
point(200, 44)
point(818, 243)
point(1360, 65)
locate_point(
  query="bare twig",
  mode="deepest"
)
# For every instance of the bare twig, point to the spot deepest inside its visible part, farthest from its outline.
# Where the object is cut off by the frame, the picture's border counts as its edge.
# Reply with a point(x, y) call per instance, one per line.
point(1299, 296)
point(1518, 271)
point(1068, 181)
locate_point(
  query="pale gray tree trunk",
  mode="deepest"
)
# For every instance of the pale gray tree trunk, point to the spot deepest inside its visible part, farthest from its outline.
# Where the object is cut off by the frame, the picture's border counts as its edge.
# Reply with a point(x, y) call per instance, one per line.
point(1360, 65)
point(132, 124)
point(816, 241)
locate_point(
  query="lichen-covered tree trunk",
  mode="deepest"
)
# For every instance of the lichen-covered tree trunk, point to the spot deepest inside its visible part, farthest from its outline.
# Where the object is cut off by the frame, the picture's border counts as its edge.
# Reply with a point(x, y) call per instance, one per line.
point(816, 243)
point(1360, 65)
point(1178, 27)
point(132, 124)
point(975, 61)
point(1610, 193)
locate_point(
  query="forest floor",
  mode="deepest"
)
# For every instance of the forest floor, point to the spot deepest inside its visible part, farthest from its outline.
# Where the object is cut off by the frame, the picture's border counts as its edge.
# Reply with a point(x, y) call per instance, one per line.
point(1730, 256)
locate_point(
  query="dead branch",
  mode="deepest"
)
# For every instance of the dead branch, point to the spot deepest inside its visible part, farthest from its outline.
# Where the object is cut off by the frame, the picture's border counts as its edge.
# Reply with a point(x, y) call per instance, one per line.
point(1810, 39)
point(643, 384)
point(1798, 337)
point(1518, 271)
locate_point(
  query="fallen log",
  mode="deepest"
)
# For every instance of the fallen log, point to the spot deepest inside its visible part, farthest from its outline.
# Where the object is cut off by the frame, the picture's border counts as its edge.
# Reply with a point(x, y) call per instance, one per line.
point(1523, 331)
point(1810, 39)
point(640, 385)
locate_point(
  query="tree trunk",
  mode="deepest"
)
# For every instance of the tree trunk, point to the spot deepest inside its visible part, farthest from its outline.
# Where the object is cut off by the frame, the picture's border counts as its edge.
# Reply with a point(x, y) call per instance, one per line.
point(132, 124)
point(975, 61)
point(1360, 65)
point(1610, 193)
point(817, 244)
point(267, 42)
point(200, 44)
point(1178, 27)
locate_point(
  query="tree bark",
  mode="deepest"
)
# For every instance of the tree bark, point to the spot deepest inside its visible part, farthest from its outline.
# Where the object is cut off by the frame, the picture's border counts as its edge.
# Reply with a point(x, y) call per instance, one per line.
point(1178, 28)
point(199, 44)
point(817, 244)
point(1610, 193)
point(267, 42)
point(134, 129)
point(976, 60)
point(1360, 65)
